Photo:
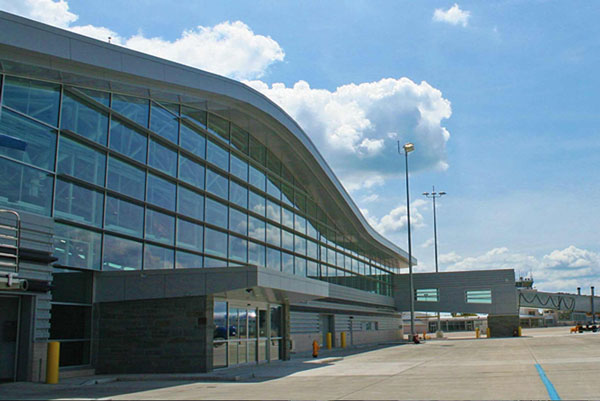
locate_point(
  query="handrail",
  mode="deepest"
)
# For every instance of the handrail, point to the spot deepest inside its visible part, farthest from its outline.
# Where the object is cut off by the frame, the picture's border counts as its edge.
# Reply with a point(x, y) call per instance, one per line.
point(16, 237)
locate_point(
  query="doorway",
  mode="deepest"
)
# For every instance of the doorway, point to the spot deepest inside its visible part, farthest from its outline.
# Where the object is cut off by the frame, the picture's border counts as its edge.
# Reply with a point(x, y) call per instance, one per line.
point(9, 330)
point(328, 326)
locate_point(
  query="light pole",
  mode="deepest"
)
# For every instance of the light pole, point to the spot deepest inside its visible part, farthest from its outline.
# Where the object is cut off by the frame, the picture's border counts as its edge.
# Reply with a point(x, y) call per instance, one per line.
point(433, 195)
point(409, 147)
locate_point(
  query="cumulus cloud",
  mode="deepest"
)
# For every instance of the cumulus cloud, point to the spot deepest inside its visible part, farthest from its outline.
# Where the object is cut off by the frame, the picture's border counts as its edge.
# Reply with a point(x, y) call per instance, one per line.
point(357, 126)
point(427, 244)
point(454, 15)
point(396, 220)
point(229, 48)
point(47, 11)
point(369, 198)
point(560, 270)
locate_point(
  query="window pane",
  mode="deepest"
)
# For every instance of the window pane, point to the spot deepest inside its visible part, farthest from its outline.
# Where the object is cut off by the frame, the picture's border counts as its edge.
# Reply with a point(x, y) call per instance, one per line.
point(238, 249)
point(256, 228)
point(186, 260)
point(121, 254)
point(312, 269)
point(128, 141)
point(160, 227)
point(77, 247)
point(216, 213)
point(25, 188)
point(256, 254)
point(193, 141)
point(164, 123)
point(34, 98)
point(190, 235)
point(217, 155)
point(157, 257)
point(77, 203)
point(215, 243)
point(238, 195)
point(273, 185)
point(162, 158)
point(273, 163)
point(239, 139)
point(300, 224)
point(273, 211)
point(257, 151)
point(300, 245)
point(299, 266)
point(134, 108)
point(256, 203)
point(273, 259)
point(26, 140)
point(126, 179)
point(239, 168)
point(81, 161)
point(287, 240)
point(83, 119)
point(124, 217)
point(191, 203)
point(238, 221)
point(191, 172)
point(218, 126)
point(426, 295)
point(217, 184)
point(287, 194)
point(288, 217)
point(161, 192)
point(273, 235)
point(212, 262)
point(100, 97)
point(197, 116)
point(311, 249)
point(257, 178)
point(479, 296)
point(287, 263)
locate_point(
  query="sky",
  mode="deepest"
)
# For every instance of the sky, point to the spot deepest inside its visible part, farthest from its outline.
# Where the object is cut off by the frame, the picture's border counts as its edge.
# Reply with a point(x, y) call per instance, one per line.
point(500, 99)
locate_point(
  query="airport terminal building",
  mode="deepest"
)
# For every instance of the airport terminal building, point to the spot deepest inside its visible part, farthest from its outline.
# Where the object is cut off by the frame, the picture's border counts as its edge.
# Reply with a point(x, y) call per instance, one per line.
point(170, 220)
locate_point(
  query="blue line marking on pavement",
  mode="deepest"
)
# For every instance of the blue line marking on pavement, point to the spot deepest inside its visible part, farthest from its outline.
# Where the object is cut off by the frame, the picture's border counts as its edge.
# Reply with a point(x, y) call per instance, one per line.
point(549, 387)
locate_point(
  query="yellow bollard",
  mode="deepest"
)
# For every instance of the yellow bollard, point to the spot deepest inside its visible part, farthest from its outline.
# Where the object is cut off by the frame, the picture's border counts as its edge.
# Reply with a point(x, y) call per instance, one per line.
point(487, 332)
point(328, 340)
point(52, 362)
point(477, 332)
point(520, 331)
point(343, 339)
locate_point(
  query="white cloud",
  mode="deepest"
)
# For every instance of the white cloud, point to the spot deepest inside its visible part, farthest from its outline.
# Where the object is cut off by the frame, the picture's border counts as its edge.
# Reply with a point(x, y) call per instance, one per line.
point(427, 244)
point(369, 198)
point(454, 15)
point(560, 270)
point(396, 220)
point(47, 11)
point(357, 126)
point(229, 48)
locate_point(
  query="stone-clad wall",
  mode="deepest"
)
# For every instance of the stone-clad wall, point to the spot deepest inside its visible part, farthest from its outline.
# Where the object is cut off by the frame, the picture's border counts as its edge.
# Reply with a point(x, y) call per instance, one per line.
point(169, 335)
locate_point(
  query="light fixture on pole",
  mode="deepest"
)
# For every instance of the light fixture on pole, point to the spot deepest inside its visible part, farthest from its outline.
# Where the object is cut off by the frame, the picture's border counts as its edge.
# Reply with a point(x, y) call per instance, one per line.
point(434, 195)
point(409, 147)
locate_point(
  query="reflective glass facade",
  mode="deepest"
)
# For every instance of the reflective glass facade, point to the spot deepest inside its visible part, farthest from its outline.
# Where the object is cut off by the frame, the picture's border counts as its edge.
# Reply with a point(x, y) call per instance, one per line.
point(137, 184)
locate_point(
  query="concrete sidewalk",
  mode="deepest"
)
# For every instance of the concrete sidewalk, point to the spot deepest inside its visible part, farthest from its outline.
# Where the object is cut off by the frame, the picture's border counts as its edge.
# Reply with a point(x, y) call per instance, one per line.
point(511, 368)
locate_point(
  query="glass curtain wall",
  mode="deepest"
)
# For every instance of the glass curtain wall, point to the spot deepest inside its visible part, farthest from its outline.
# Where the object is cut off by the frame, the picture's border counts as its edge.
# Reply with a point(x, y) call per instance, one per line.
point(136, 183)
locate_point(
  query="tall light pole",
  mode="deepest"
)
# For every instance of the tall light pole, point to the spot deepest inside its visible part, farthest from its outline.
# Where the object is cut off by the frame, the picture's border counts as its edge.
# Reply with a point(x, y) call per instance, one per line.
point(434, 195)
point(409, 147)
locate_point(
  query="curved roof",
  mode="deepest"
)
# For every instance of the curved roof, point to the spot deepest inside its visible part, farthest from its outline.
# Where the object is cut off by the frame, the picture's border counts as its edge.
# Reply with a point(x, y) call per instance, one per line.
point(37, 49)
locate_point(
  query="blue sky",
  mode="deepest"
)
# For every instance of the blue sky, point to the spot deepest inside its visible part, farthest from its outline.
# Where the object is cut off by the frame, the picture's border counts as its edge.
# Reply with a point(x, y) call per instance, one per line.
point(501, 99)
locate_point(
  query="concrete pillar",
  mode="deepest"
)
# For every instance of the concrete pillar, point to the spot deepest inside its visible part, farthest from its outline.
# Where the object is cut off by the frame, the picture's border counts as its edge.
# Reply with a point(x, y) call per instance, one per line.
point(286, 349)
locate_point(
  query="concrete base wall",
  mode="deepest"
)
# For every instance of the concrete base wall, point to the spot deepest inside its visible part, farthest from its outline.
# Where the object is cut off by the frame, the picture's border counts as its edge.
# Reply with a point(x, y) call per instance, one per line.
point(169, 335)
point(503, 325)
point(303, 342)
